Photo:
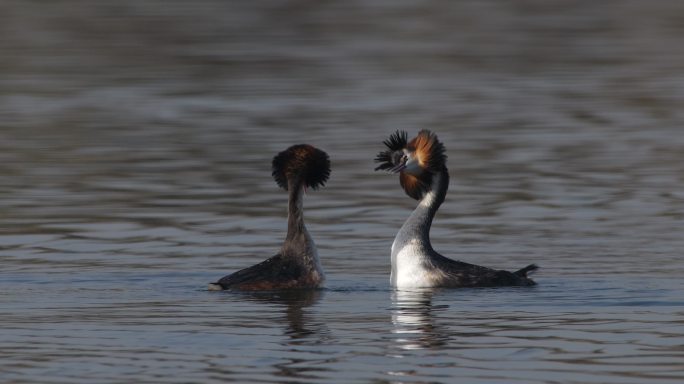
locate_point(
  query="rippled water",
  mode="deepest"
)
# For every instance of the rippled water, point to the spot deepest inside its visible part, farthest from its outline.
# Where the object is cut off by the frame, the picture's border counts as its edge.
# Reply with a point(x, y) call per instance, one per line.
point(135, 148)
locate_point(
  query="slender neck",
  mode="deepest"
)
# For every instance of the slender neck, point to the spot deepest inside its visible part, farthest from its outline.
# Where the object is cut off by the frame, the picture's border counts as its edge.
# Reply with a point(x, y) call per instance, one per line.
point(295, 211)
point(298, 243)
point(417, 226)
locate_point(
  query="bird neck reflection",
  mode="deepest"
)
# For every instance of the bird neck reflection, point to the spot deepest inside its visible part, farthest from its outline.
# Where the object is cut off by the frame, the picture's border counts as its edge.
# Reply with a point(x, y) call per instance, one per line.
point(413, 320)
point(299, 325)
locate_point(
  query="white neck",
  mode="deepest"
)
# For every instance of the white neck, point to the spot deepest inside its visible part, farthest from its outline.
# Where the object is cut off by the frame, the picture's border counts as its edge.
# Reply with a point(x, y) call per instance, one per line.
point(411, 250)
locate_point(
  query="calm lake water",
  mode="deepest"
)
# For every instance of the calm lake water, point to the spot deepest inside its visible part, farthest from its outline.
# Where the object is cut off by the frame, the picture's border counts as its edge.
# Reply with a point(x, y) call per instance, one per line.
point(135, 147)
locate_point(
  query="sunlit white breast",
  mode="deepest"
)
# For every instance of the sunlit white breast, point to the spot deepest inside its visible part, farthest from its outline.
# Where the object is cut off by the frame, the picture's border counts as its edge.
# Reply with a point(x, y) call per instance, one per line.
point(410, 266)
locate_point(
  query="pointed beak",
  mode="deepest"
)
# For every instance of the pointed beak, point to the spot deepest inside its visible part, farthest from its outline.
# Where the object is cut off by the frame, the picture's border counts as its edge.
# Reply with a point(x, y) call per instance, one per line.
point(401, 163)
point(398, 168)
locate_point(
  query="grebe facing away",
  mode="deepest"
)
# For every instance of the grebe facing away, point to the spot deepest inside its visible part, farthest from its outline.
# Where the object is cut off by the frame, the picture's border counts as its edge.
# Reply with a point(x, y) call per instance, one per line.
point(421, 164)
point(297, 264)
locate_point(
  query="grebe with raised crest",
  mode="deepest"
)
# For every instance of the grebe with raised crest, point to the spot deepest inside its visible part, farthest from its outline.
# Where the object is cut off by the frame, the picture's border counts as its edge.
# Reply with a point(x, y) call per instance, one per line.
point(297, 264)
point(421, 164)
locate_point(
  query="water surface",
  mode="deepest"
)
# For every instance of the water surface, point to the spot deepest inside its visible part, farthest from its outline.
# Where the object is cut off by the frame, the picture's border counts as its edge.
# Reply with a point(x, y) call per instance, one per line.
point(135, 148)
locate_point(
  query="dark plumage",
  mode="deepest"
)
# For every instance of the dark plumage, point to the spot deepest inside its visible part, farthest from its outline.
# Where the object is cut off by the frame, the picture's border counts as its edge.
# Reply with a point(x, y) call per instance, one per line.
point(274, 273)
point(302, 163)
point(395, 144)
point(297, 264)
point(457, 274)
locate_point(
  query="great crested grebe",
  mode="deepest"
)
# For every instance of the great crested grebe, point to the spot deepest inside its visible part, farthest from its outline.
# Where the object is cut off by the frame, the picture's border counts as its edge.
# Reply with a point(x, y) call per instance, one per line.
point(421, 164)
point(296, 265)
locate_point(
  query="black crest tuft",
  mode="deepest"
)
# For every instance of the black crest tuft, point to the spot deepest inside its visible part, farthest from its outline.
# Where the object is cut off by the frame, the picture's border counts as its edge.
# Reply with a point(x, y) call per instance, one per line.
point(301, 163)
point(395, 144)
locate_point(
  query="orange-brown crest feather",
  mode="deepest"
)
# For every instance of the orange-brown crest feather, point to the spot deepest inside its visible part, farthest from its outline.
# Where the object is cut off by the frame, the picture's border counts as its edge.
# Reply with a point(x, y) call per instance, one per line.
point(428, 150)
point(415, 186)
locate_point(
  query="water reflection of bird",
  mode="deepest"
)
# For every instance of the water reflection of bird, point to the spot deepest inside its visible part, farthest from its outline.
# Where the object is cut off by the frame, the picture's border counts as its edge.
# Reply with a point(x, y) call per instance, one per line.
point(297, 264)
point(413, 320)
point(421, 164)
point(295, 301)
point(300, 329)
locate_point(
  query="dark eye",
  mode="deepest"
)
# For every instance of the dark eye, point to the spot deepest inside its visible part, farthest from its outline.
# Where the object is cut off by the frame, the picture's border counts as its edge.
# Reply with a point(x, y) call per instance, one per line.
point(398, 157)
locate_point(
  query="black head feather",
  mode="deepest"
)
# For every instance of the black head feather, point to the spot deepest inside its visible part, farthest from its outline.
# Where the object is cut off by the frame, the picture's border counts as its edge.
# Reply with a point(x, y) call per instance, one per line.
point(395, 145)
point(301, 163)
